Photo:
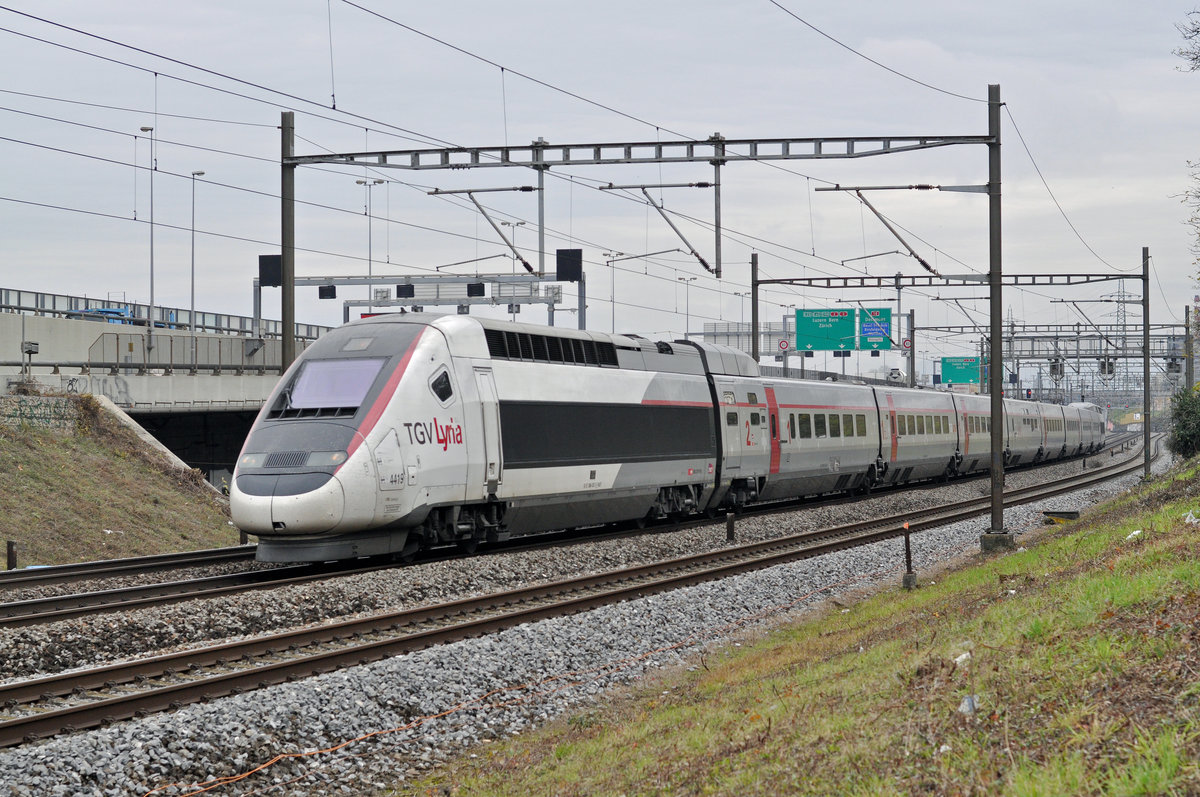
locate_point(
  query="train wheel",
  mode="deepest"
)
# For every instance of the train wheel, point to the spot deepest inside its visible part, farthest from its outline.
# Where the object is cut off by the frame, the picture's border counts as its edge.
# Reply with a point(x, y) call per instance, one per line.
point(468, 545)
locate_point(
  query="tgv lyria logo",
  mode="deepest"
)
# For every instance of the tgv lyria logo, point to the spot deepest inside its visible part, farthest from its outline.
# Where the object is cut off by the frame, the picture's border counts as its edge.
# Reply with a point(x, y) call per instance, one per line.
point(435, 433)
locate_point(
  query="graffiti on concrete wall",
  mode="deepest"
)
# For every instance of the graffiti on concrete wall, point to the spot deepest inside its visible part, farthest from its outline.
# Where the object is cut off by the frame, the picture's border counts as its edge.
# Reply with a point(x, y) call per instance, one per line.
point(40, 412)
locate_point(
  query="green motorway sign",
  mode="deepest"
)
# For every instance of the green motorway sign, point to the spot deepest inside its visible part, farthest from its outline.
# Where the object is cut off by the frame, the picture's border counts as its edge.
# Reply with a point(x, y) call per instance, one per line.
point(824, 330)
point(875, 331)
point(962, 370)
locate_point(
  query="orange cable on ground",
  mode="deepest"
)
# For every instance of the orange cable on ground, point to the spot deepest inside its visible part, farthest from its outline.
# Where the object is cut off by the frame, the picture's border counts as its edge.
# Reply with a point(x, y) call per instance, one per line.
point(531, 691)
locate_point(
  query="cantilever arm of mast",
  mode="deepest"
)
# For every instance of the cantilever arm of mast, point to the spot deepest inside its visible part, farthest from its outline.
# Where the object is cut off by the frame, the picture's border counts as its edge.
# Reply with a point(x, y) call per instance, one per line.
point(546, 155)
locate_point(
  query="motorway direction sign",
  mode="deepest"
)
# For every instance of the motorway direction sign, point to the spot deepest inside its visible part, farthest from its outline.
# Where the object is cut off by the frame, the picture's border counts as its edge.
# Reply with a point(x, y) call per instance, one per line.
point(962, 370)
point(824, 330)
point(875, 328)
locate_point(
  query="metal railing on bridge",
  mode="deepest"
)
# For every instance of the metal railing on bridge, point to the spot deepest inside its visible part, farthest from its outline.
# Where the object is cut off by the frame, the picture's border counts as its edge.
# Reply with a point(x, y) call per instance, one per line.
point(133, 313)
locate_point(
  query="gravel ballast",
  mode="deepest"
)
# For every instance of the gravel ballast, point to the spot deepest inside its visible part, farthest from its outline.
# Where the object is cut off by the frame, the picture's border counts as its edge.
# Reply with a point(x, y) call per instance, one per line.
point(417, 709)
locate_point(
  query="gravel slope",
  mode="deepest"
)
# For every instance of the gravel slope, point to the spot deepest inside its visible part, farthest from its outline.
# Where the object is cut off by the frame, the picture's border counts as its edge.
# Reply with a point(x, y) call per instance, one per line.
point(419, 708)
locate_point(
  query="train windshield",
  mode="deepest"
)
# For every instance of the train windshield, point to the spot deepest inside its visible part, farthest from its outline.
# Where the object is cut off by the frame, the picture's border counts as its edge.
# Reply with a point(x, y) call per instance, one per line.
point(334, 383)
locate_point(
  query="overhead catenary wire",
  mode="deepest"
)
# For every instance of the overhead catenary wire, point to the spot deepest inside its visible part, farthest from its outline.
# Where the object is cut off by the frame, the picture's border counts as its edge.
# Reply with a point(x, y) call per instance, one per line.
point(882, 66)
point(1053, 198)
point(296, 97)
point(390, 128)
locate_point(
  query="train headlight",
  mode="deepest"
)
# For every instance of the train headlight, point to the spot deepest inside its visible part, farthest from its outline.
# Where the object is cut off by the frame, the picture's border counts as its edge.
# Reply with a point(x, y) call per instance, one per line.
point(324, 459)
point(252, 461)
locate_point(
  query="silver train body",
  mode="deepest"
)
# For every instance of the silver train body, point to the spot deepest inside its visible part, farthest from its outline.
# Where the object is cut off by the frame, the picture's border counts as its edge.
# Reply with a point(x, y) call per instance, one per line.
point(404, 431)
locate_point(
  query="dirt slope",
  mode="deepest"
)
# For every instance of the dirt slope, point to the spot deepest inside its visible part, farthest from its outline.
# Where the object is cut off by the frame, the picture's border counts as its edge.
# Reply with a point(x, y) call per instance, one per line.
point(100, 493)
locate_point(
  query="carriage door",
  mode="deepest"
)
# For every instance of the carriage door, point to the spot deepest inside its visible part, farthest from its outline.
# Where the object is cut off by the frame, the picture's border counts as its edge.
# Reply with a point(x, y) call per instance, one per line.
point(773, 412)
point(490, 409)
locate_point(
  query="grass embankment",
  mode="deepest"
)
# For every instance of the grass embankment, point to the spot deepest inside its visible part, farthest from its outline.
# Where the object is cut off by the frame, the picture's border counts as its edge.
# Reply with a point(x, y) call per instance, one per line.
point(1084, 662)
point(99, 494)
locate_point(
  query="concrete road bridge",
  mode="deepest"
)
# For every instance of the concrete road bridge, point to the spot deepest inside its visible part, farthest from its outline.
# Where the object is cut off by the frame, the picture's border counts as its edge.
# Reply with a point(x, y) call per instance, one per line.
point(197, 388)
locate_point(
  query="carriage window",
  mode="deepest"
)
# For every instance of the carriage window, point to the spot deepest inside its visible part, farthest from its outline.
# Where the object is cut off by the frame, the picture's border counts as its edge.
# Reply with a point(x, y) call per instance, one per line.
point(946, 423)
point(860, 424)
point(901, 426)
point(835, 426)
point(929, 423)
point(819, 423)
point(920, 424)
point(848, 425)
point(754, 419)
point(731, 419)
point(752, 398)
point(805, 425)
point(792, 426)
point(937, 424)
point(912, 424)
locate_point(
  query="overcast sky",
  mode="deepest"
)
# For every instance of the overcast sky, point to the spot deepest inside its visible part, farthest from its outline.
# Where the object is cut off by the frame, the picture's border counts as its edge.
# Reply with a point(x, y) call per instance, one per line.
point(1093, 88)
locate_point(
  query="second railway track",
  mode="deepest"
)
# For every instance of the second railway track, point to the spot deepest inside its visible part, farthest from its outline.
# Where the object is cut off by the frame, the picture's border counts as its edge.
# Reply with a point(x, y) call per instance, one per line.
point(69, 606)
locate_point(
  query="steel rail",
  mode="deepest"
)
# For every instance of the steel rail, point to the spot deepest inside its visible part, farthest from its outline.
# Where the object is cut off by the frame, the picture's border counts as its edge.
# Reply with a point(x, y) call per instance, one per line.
point(484, 614)
point(64, 607)
point(104, 568)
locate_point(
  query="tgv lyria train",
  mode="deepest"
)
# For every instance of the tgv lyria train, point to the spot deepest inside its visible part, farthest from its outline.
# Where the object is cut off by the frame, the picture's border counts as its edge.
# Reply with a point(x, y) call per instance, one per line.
point(405, 431)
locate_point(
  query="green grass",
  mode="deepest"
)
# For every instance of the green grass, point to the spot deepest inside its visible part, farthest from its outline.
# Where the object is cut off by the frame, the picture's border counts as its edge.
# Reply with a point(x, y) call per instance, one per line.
point(99, 494)
point(1085, 657)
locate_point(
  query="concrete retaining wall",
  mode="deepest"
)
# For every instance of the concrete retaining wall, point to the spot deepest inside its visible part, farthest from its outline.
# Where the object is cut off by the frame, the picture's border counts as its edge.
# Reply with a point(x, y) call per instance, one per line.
point(52, 413)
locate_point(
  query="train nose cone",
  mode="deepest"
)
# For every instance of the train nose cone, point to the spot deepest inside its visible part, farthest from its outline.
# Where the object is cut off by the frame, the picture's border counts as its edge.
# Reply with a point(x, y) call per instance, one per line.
point(298, 509)
point(288, 503)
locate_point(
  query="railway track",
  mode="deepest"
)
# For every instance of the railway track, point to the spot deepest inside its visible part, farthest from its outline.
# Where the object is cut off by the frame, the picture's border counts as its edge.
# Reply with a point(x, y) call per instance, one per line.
point(65, 607)
point(105, 568)
point(88, 698)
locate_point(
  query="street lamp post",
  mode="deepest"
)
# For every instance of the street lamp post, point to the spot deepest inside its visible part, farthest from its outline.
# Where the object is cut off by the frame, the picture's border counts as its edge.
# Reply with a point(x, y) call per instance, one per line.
point(741, 326)
point(687, 305)
point(192, 316)
point(150, 313)
point(514, 225)
point(370, 271)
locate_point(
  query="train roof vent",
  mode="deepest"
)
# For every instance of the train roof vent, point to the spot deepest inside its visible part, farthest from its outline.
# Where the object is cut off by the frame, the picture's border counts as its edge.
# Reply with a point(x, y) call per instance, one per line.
point(607, 353)
point(512, 345)
point(495, 342)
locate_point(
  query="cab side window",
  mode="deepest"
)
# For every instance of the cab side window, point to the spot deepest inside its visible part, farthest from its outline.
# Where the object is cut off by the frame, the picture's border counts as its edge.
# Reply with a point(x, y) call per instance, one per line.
point(441, 387)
